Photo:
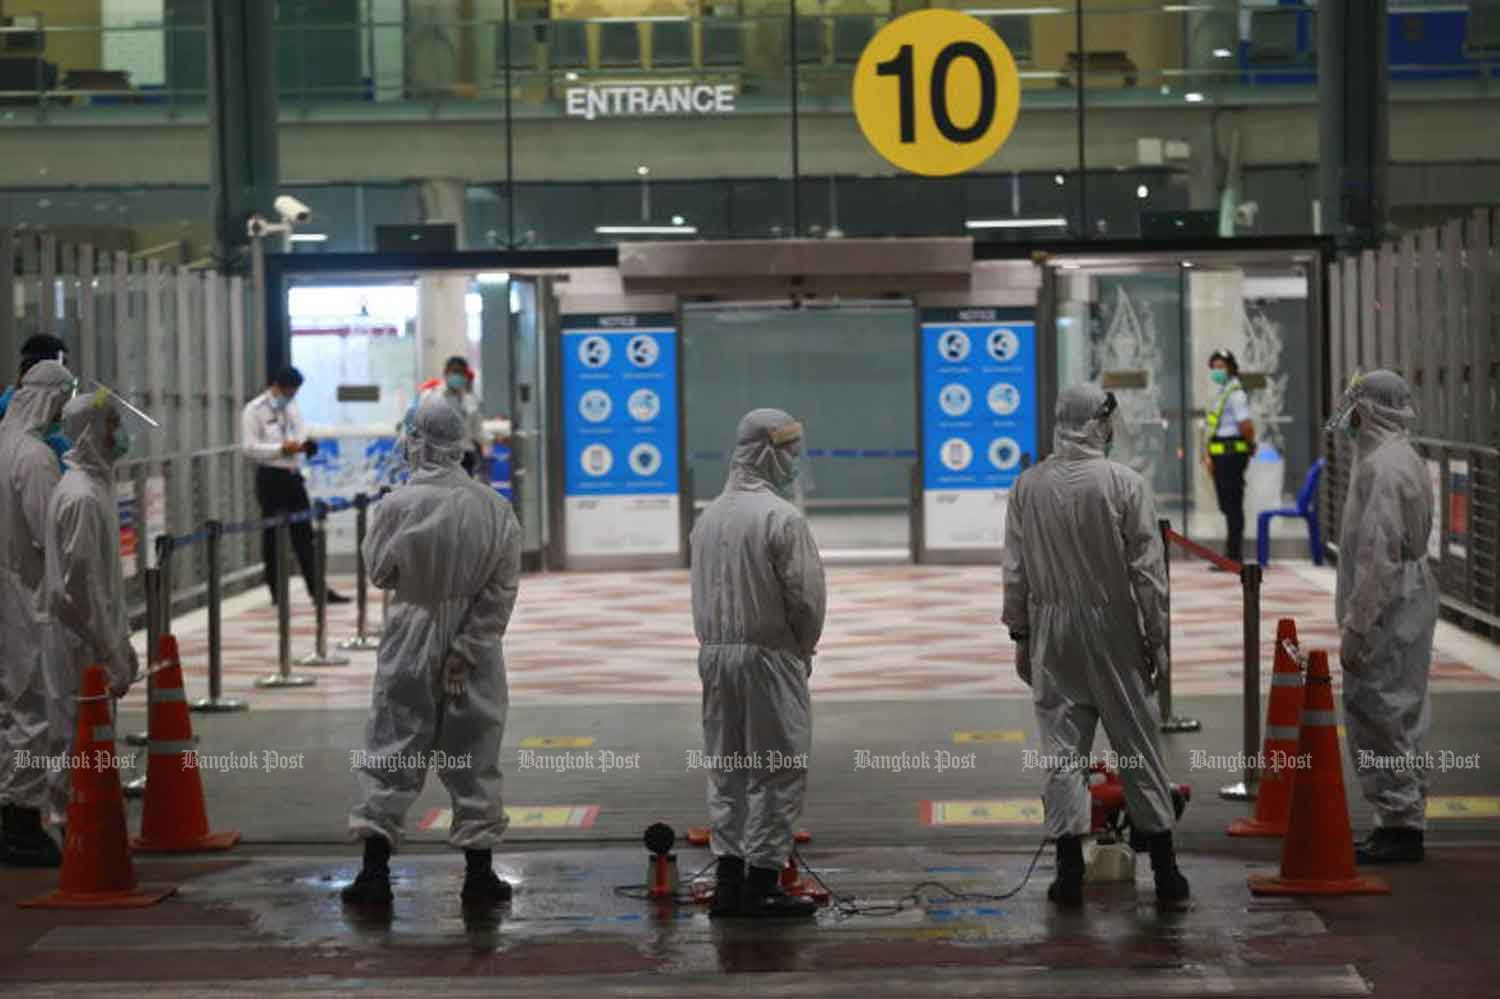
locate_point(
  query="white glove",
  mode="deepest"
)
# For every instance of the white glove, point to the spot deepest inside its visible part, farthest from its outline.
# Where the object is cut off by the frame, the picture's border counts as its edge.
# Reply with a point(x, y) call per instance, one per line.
point(455, 677)
point(1157, 663)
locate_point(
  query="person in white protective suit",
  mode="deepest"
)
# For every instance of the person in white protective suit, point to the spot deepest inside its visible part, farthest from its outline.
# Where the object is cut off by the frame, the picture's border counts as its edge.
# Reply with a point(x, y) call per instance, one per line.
point(85, 586)
point(450, 550)
point(29, 473)
point(1085, 602)
point(1387, 608)
point(758, 607)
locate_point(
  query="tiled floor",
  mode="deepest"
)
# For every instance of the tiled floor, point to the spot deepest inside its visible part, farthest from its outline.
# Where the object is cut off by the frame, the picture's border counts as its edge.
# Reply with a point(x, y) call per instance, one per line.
point(894, 632)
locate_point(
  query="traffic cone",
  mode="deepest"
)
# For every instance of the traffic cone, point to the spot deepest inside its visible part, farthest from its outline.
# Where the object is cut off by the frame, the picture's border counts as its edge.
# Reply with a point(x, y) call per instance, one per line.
point(792, 883)
point(1273, 804)
point(96, 868)
point(173, 819)
point(662, 876)
point(1317, 856)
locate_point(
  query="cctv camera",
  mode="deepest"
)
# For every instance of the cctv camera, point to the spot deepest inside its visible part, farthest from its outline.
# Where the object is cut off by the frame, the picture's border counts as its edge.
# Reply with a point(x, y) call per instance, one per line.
point(291, 210)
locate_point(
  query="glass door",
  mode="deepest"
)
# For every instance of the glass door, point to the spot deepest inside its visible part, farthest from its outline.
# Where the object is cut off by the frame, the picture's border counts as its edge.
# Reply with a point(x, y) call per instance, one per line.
point(1144, 328)
point(524, 373)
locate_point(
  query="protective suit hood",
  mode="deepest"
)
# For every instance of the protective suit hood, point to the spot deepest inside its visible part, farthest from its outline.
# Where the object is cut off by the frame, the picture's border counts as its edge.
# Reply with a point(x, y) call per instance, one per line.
point(40, 398)
point(86, 422)
point(767, 445)
point(1083, 428)
point(1383, 400)
point(435, 442)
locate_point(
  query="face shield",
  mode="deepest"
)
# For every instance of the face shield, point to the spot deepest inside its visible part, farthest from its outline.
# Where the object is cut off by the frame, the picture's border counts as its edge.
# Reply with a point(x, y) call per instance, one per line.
point(1344, 411)
point(125, 423)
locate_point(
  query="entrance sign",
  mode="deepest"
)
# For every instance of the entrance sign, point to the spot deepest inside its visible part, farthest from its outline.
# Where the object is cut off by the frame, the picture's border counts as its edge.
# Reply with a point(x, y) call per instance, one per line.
point(936, 92)
point(614, 99)
point(620, 432)
point(978, 422)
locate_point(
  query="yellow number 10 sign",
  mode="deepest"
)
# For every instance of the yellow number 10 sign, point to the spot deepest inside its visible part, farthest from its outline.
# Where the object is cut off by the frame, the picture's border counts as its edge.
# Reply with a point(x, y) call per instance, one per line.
point(936, 92)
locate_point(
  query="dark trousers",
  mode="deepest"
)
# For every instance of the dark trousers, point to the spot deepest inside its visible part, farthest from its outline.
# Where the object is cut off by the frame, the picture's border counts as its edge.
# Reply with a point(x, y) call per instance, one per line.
point(1229, 483)
point(279, 491)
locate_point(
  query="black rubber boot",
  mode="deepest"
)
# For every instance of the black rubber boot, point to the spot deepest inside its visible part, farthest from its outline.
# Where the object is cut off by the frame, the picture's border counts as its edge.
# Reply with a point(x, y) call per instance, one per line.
point(1171, 886)
point(729, 888)
point(1067, 887)
point(764, 898)
point(1391, 845)
point(372, 887)
point(26, 842)
point(482, 887)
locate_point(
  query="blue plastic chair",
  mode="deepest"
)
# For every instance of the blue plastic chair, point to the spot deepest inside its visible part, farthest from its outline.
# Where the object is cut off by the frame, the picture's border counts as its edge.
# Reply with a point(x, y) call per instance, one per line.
point(1306, 509)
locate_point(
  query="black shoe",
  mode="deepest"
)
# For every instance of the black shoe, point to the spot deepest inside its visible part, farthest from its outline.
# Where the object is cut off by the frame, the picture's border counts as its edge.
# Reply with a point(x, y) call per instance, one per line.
point(1067, 888)
point(373, 885)
point(26, 843)
point(1391, 845)
point(482, 888)
point(729, 888)
point(764, 899)
point(334, 597)
point(1171, 886)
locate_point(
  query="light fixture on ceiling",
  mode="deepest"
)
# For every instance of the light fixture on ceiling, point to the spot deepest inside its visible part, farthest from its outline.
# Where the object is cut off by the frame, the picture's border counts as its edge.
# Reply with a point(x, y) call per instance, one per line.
point(1052, 222)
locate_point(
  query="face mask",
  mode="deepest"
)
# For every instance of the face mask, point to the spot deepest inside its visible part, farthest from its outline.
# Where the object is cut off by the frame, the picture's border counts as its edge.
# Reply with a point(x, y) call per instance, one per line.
point(1220, 376)
point(457, 382)
point(122, 443)
point(279, 401)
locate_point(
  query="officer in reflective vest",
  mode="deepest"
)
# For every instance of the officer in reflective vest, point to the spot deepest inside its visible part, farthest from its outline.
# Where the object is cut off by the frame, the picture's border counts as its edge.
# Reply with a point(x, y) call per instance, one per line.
point(1231, 442)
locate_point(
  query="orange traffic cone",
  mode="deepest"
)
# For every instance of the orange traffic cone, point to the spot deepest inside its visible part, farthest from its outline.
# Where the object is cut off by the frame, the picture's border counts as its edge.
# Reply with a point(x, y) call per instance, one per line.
point(96, 869)
point(173, 819)
point(792, 883)
point(1273, 804)
point(662, 876)
point(1317, 856)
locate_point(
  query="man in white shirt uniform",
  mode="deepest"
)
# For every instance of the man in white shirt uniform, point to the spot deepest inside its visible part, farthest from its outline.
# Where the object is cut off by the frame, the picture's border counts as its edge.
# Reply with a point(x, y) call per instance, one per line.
point(1231, 443)
point(457, 387)
point(272, 436)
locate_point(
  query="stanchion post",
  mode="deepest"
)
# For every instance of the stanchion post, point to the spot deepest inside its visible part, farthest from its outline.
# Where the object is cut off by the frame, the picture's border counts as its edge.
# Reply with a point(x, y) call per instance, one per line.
point(1170, 723)
point(216, 702)
point(1246, 790)
point(136, 786)
point(158, 583)
point(284, 677)
point(362, 640)
point(320, 656)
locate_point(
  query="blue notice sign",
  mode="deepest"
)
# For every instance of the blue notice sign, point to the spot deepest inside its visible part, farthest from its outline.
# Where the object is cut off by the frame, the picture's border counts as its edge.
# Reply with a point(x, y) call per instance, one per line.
point(620, 408)
point(978, 400)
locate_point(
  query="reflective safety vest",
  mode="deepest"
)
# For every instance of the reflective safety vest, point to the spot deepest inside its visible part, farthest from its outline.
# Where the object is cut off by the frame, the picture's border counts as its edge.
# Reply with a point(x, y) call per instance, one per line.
point(1218, 447)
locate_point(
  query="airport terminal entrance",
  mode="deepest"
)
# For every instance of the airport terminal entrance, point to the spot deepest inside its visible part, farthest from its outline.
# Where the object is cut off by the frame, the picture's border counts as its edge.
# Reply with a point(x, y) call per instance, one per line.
point(1145, 325)
point(843, 368)
point(612, 388)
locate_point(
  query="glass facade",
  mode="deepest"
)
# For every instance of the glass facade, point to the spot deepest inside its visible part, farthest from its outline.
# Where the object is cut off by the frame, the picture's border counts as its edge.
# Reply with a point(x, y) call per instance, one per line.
point(584, 122)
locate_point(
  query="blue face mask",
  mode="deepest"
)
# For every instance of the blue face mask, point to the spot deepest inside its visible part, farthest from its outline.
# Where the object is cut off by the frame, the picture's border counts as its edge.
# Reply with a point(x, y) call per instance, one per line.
point(457, 382)
point(1220, 376)
point(279, 401)
point(122, 443)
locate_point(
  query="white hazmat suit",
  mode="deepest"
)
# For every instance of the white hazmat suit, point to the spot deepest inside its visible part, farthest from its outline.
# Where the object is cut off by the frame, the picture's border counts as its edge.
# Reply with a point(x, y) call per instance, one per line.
point(758, 608)
point(450, 550)
point(1086, 589)
point(85, 586)
point(29, 474)
point(1387, 602)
